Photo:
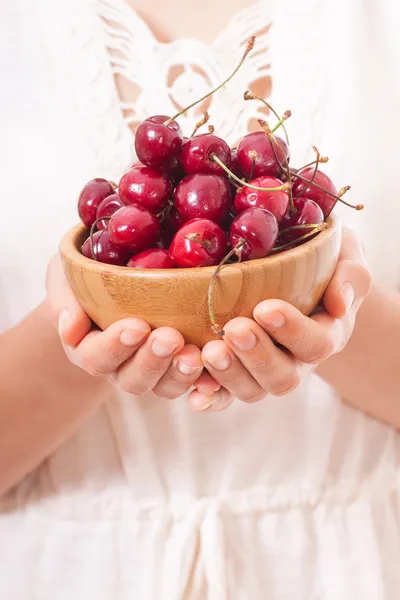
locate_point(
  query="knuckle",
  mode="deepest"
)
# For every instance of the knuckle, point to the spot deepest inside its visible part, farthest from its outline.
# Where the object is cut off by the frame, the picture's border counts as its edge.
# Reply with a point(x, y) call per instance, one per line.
point(359, 275)
point(291, 384)
point(131, 386)
point(262, 365)
point(322, 352)
point(93, 366)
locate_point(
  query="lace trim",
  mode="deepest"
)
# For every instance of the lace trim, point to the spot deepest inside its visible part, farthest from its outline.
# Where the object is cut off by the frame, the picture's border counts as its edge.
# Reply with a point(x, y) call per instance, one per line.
point(81, 40)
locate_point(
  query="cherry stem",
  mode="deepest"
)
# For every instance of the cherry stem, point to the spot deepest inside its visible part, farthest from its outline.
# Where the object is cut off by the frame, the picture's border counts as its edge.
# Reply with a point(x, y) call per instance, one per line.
point(195, 237)
point(235, 250)
point(163, 214)
point(250, 96)
point(254, 157)
point(281, 121)
point(272, 141)
point(249, 48)
point(317, 161)
point(93, 228)
point(244, 183)
point(337, 198)
point(322, 159)
point(296, 227)
point(303, 238)
point(203, 121)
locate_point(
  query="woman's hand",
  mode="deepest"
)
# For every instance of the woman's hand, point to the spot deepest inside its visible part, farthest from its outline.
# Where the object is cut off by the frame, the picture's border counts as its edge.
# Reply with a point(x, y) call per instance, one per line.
point(249, 365)
point(128, 353)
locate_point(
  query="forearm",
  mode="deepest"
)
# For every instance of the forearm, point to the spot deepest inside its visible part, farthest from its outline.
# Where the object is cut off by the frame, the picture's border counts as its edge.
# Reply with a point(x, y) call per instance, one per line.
point(43, 397)
point(367, 372)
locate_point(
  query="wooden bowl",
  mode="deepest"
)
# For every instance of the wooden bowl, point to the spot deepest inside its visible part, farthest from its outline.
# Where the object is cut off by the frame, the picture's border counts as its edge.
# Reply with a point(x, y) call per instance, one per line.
point(178, 297)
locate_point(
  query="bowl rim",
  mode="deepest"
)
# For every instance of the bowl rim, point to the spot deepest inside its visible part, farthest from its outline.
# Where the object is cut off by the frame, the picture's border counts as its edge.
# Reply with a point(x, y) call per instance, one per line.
point(69, 248)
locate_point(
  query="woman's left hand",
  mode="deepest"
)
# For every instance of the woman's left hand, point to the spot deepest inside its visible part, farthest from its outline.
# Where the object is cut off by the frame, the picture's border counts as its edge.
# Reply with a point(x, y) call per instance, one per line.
point(249, 365)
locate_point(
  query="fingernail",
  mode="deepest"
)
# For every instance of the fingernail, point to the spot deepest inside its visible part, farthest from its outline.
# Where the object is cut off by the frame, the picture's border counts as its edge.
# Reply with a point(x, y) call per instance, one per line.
point(162, 349)
point(185, 369)
point(243, 341)
point(272, 319)
point(201, 408)
point(131, 337)
point(347, 293)
point(221, 363)
point(64, 320)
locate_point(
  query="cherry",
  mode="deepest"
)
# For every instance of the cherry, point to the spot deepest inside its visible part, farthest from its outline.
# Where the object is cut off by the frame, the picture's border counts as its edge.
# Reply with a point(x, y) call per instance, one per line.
point(199, 243)
point(254, 233)
point(90, 197)
point(145, 187)
point(276, 202)
point(325, 201)
point(152, 258)
point(156, 142)
point(307, 213)
point(106, 208)
point(196, 154)
point(134, 228)
point(264, 161)
point(236, 167)
point(170, 225)
point(203, 196)
point(173, 169)
point(104, 250)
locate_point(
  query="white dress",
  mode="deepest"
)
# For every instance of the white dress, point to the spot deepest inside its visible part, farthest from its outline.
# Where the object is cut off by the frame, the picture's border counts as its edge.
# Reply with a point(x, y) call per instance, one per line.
point(293, 498)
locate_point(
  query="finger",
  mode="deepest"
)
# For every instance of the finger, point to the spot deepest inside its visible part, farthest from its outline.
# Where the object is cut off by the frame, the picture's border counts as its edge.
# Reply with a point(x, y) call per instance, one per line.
point(273, 369)
point(310, 340)
point(226, 368)
point(206, 384)
point(351, 281)
point(142, 372)
point(103, 352)
point(64, 309)
point(184, 370)
point(215, 402)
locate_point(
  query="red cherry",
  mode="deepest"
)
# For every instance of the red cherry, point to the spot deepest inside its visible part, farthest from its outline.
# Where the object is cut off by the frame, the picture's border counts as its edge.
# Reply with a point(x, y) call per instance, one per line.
point(105, 250)
point(152, 258)
point(307, 213)
point(276, 202)
point(265, 162)
point(203, 197)
point(134, 228)
point(90, 197)
point(157, 143)
point(236, 167)
point(199, 243)
point(173, 169)
point(145, 187)
point(196, 154)
point(324, 201)
point(259, 230)
point(106, 208)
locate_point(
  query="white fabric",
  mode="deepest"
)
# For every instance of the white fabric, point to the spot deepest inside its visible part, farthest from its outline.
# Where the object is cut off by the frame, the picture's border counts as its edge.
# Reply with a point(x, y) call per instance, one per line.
point(296, 497)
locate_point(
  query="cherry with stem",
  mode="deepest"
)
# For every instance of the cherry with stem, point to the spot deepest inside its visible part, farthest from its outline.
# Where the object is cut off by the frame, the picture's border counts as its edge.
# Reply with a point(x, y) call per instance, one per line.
point(316, 162)
point(243, 182)
point(271, 139)
point(93, 228)
point(303, 238)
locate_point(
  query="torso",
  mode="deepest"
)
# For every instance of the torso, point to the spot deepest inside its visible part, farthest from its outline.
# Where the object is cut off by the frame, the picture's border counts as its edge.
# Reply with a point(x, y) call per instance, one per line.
point(295, 497)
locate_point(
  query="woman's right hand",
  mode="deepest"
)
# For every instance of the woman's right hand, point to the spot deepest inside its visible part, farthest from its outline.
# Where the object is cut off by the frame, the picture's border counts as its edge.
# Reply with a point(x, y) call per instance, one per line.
point(128, 353)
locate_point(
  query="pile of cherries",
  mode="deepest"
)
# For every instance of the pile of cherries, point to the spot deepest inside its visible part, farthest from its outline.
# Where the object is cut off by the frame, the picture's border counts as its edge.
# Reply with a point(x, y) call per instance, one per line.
point(194, 202)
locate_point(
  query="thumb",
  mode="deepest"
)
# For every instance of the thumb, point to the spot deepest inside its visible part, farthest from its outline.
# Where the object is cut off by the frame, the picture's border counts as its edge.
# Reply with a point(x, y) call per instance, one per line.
point(65, 311)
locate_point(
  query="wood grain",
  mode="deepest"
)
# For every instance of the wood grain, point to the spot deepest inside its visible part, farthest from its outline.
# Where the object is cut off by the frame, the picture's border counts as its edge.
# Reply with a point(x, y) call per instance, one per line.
point(178, 297)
